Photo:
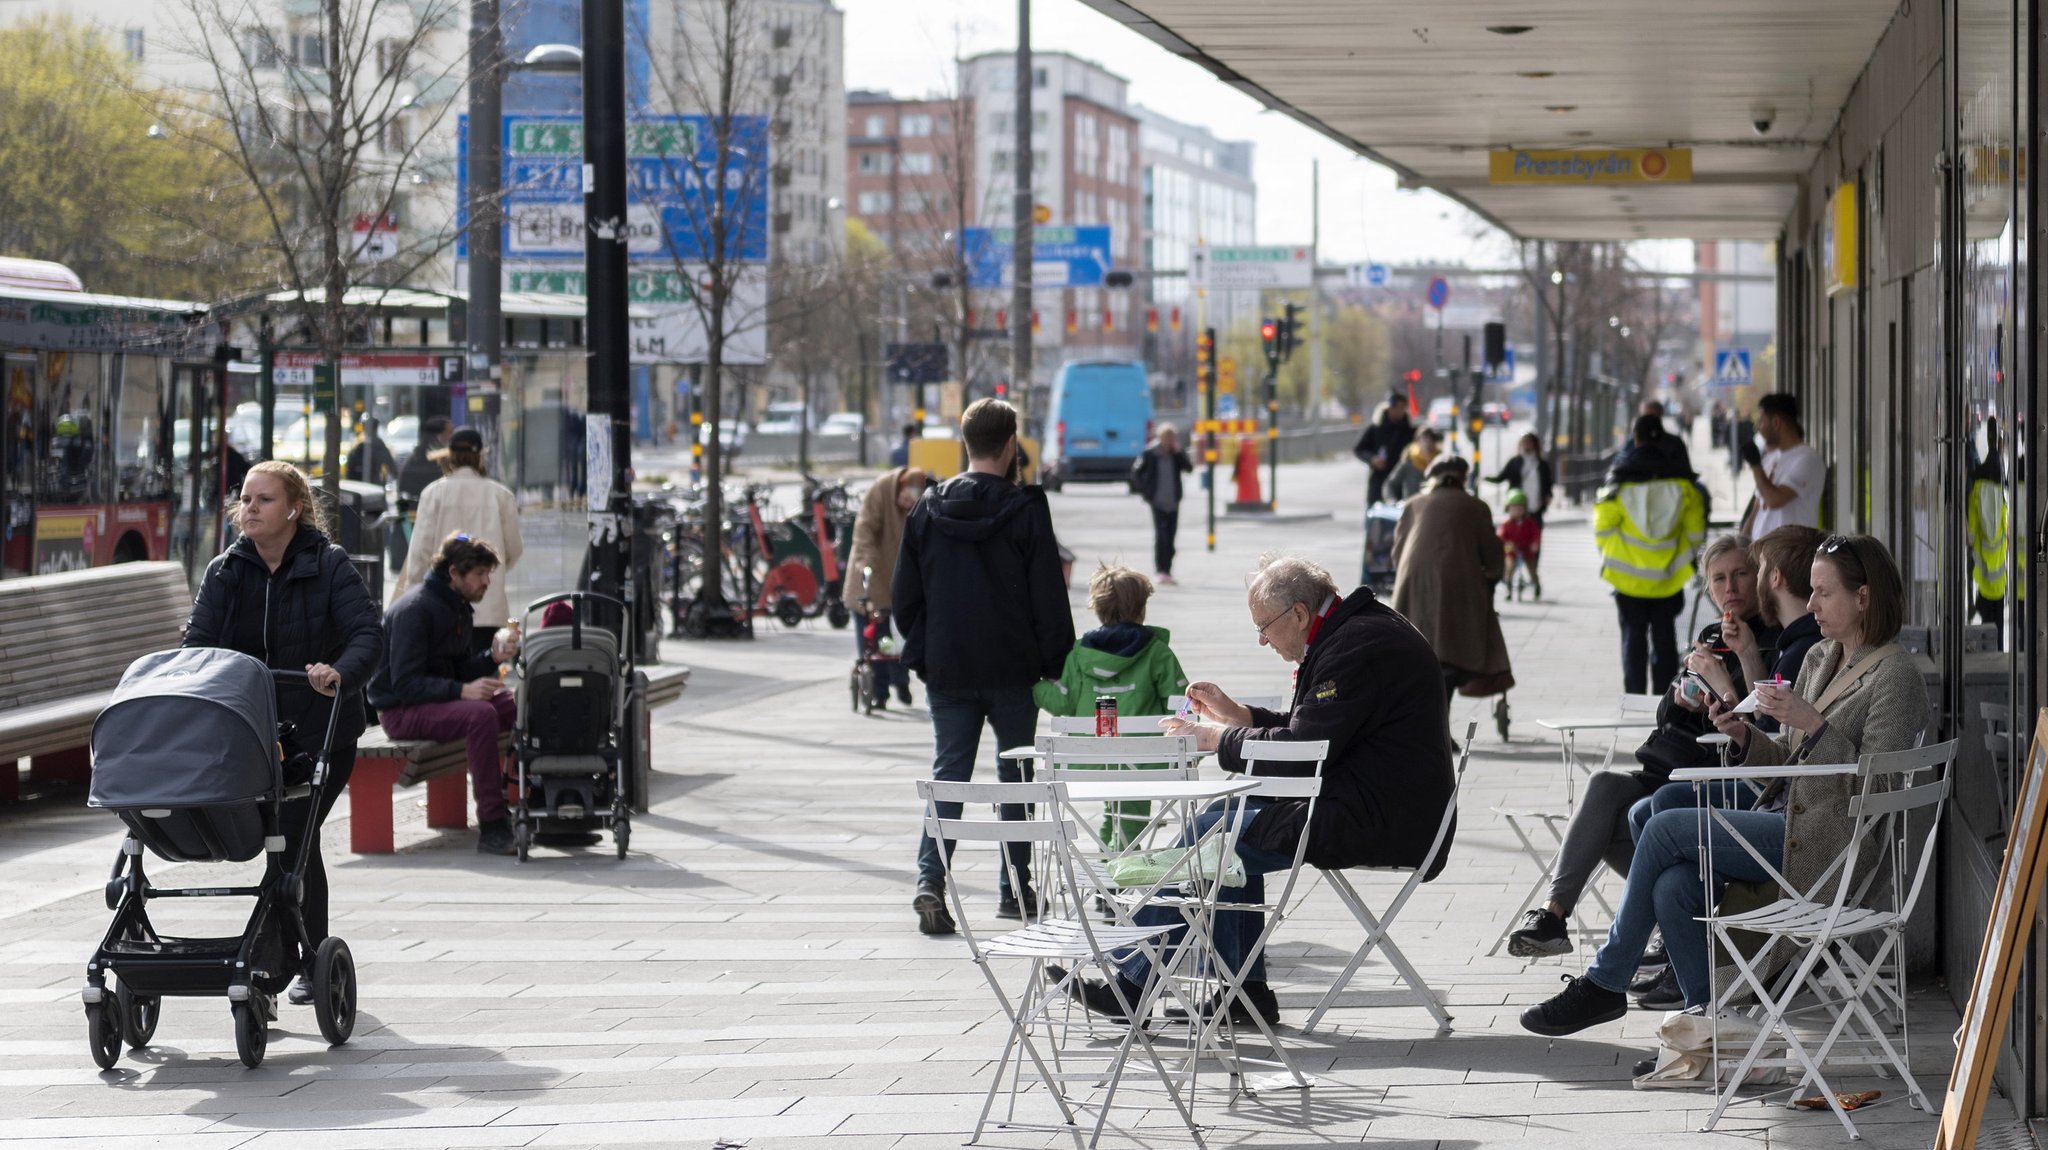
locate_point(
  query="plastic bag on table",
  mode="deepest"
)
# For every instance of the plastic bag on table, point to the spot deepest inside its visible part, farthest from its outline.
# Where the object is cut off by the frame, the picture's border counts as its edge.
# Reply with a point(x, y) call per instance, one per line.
point(1145, 868)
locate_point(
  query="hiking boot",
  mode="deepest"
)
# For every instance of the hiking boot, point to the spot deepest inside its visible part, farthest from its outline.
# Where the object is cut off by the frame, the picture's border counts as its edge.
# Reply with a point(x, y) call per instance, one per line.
point(1662, 994)
point(495, 838)
point(1010, 907)
point(1541, 935)
point(932, 915)
point(1582, 1003)
point(1097, 997)
point(1262, 998)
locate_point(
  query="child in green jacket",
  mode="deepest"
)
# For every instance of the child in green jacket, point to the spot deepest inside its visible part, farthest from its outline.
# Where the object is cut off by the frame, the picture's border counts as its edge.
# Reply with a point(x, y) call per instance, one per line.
point(1123, 658)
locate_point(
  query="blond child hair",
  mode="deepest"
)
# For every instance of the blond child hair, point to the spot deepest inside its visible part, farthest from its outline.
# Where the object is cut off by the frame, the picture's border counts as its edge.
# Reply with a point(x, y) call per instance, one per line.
point(1117, 594)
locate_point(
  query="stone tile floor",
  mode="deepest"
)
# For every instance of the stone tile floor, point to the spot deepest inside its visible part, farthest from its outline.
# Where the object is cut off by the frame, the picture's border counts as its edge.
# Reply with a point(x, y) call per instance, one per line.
point(752, 974)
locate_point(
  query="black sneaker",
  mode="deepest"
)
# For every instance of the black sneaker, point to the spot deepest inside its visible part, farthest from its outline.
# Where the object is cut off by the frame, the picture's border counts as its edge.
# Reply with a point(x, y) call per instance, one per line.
point(1582, 1003)
point(495, 838)
point(1541, 935)
point(1010, 908)
point(932, 915)
point(1097, 996)
point(1656, 955)
point(301, 993)
point(903, 693)
point(1662, 994)
point(1262, 998)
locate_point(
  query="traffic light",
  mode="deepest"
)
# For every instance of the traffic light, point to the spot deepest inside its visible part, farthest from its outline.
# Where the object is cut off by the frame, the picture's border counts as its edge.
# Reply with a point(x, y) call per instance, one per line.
point(1205, 347)
point(1412, 375)
point(1269, 335)
point(1290, 330)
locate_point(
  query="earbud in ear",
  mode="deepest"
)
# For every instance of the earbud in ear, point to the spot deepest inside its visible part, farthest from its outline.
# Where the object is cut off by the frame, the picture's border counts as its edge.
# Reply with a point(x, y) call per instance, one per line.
point(294, 514)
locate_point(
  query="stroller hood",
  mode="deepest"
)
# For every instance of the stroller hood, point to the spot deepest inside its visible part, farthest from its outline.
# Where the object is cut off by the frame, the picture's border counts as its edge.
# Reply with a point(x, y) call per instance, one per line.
point(187, 728)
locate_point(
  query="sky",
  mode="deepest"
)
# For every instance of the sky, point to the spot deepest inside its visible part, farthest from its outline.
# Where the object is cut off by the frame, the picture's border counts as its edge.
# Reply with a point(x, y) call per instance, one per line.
point(906, 48)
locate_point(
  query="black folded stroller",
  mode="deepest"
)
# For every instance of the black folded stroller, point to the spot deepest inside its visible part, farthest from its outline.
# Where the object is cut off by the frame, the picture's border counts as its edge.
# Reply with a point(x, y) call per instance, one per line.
point(189, 754)
point(575, 757)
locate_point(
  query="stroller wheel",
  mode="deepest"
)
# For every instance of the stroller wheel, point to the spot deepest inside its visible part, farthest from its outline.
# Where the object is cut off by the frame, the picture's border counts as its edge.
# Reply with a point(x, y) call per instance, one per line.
point(139, 1013)
point(103, 1032)
point(853, 686)
point(334, 991)
point(622, 836)
point(789, 611)
point(252, 1033)
point(837, 615)
point(522, 840)
point(1500, 717)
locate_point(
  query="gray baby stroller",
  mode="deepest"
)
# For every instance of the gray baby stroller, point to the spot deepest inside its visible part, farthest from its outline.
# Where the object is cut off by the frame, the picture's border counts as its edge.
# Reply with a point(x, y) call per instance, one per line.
point(574, 755)
point(189, 754)
point(1380, 521)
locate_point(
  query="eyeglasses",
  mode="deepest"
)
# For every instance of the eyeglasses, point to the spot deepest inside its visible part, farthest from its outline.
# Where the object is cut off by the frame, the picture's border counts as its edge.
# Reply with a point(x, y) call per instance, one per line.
point(1275, 619)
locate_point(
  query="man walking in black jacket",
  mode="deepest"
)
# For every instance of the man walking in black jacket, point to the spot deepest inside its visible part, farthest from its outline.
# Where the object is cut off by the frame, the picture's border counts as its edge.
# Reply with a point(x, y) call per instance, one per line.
point(984, 615)
point(440, 681)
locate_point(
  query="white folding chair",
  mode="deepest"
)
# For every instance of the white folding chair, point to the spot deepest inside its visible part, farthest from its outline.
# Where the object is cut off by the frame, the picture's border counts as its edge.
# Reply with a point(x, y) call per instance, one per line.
point(1076, 943)
point(1078, 758)
point(1132, 725)
point(1292, 772)
point(1175, 703)
point(1632, 713)
point(1998, 740)
point(1378, 929)
point(1824, 926)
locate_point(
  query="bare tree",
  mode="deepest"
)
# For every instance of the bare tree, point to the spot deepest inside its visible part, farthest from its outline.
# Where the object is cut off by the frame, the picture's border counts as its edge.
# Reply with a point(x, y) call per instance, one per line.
point(326, 115)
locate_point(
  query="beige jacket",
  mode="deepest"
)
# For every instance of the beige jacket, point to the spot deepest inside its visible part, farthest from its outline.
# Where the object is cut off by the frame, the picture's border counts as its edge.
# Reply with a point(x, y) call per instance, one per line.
point(465, 501)
point(877, 537)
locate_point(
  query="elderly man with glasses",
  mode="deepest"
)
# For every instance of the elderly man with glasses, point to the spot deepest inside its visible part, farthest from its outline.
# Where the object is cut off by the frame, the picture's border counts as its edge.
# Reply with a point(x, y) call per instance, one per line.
point(1363, 681)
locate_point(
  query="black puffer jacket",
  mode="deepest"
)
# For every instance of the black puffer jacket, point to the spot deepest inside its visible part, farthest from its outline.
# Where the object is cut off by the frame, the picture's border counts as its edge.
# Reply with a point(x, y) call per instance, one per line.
point(977, 593)
point(433, 645)
point(313, 609)
point(1368, 684)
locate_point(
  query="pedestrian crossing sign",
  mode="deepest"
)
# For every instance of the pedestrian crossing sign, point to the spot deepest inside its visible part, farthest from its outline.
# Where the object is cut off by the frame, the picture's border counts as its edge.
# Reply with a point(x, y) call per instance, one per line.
point(1731, 367)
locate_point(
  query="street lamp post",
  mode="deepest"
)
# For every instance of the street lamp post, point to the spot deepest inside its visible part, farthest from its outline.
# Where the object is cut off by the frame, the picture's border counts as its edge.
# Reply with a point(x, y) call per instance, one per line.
point(607, 336)
point(482, 314)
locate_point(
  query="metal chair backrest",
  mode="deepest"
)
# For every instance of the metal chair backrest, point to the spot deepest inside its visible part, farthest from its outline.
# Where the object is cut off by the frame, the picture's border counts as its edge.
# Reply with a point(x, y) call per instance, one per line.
point(1047, 825)
point(1124, 750)
point(1997, 729)
point(1630, 706)
point(1290, 785)
point(1881, 812)
point(1125, 724)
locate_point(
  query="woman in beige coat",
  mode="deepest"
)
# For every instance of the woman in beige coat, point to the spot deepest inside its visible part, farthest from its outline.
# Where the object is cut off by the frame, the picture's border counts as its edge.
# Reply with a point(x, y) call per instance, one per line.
point(465, 500)
point(1446, 562)
point(1858, 693)
point(871, 564)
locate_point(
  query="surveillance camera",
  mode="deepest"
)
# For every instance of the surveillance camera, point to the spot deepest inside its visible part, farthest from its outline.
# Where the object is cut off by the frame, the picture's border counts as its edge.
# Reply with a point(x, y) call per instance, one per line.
point(1760, 118)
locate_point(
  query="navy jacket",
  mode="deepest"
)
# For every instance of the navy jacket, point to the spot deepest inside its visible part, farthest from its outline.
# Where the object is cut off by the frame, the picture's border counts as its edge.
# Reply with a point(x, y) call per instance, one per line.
point(1389, 773)
point(977, 593)
point(313, 609)
point(431, 647)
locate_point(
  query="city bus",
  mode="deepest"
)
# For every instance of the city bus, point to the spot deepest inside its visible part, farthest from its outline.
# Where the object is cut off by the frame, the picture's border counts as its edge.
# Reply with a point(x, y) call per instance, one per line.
point(97, 394)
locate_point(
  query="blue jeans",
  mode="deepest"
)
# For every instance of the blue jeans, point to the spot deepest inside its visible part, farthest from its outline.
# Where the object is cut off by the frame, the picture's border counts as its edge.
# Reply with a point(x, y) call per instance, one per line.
point(1664, 891)
point(957, 717)
point(1727, 794)
point(1234, 930)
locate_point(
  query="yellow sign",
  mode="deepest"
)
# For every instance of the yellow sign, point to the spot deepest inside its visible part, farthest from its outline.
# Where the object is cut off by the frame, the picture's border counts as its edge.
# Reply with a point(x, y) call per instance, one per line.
point(1226, 375)
point(1590, 166)
point(1841, 239)
point(1040, 214)
point(1226, 426)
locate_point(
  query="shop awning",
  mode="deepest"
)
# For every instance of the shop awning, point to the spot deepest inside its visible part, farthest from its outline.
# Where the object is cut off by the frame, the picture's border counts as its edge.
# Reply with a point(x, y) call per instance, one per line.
point(1432, 89)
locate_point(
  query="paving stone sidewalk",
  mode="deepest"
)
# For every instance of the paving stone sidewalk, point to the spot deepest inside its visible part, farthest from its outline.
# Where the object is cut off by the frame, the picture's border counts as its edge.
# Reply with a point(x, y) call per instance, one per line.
point(752, 975)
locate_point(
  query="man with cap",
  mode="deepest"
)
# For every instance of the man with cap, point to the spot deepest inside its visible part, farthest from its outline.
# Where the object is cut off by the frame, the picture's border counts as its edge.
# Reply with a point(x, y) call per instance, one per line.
point(466, 500)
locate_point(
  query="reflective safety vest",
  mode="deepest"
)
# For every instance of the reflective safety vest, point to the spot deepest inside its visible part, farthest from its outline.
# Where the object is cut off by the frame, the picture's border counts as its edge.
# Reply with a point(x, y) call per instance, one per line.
point(1989, 527)
point(1647, 533)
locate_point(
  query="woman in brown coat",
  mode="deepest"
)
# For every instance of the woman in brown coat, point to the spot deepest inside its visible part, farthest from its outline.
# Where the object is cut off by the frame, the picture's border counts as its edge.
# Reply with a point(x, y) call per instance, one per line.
point(871, 564)
point(1446, 563)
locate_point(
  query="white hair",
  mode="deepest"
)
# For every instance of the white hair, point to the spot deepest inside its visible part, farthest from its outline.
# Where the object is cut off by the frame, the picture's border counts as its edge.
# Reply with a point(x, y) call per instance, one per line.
point(1281, 581)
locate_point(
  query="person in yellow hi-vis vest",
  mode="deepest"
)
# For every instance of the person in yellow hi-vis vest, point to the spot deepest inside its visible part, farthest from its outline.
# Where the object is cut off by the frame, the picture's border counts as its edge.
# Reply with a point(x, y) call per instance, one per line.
point(1987, 518)
point(1649, 522)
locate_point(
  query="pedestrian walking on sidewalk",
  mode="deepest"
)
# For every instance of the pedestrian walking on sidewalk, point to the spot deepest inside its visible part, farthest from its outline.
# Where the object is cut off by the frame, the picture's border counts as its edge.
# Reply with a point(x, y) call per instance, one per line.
point(1529, 473)
point(1649, 520)
point(1155, 478)
point(285, 594)
point(467, 500)
point(871, 566)
point(1447, 561)
point(1381, 446)
point(983, 611)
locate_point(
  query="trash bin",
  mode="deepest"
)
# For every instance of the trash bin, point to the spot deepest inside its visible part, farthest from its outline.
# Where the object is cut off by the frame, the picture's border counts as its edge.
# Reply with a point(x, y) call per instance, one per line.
point(359, 522)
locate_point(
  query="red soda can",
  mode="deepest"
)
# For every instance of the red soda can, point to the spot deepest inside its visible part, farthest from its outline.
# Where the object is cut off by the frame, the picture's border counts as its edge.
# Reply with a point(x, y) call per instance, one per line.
point(1105, 716)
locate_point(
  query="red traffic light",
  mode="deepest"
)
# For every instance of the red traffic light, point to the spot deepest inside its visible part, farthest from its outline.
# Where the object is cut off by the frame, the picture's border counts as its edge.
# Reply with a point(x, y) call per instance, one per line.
point(1269, 330)
point(1413, 376)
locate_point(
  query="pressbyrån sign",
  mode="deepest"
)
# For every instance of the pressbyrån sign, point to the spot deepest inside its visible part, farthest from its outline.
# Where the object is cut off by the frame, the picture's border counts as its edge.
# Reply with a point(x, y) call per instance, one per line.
point(1590, 166)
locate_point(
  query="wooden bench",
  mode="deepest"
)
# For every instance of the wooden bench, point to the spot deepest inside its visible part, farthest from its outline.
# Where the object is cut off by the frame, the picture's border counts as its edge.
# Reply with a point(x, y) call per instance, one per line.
point(64, 642)
point(384, 764)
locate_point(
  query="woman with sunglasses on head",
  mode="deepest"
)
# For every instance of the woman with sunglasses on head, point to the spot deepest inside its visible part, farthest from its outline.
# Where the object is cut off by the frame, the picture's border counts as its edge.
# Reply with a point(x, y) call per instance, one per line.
point(1857, 694)
point(285, 594)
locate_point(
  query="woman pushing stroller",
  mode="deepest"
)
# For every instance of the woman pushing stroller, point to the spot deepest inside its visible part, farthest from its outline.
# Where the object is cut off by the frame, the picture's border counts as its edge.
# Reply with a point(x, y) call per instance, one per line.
point(285, 594)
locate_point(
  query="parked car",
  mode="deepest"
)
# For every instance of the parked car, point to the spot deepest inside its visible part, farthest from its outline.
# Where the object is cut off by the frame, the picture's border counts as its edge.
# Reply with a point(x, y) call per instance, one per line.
point(732, 436)
point(1098, 423)
point(843, 424)
point(1496, 413)
point(783, 419)
point(1443, 413)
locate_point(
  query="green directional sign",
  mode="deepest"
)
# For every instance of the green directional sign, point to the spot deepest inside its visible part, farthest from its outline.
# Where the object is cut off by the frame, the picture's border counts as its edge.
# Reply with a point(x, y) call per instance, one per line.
point(565, 138)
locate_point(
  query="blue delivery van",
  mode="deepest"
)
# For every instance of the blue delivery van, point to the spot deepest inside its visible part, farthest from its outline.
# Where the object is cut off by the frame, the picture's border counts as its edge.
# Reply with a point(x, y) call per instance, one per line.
point(1099, 422)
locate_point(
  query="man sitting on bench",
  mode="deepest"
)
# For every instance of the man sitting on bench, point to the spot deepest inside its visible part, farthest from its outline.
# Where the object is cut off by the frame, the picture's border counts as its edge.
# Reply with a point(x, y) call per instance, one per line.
point(439, 680)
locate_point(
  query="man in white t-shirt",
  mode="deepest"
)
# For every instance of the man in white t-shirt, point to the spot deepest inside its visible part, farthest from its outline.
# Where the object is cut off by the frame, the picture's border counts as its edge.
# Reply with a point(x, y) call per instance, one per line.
point(1788, 473)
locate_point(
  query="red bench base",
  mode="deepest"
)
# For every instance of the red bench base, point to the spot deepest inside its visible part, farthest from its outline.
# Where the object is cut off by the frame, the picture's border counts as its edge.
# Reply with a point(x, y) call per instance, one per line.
point(370, 794)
